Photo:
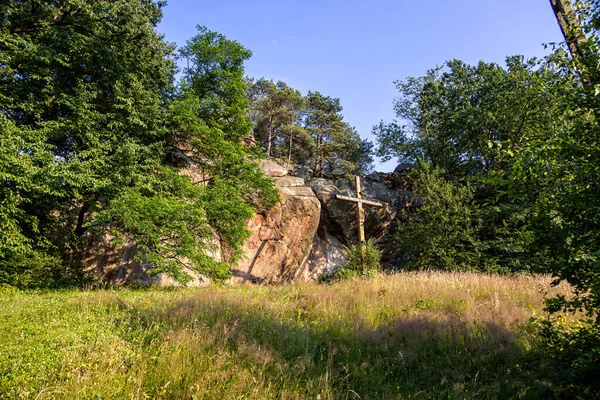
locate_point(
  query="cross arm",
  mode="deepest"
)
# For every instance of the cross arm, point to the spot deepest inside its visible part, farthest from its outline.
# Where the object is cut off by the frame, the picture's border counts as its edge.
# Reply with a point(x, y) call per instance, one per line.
point(355, 200)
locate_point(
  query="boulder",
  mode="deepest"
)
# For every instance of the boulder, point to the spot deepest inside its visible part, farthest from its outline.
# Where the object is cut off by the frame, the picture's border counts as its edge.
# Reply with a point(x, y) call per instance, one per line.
point(282, 238)
point(326, 257)
point(273, 169)
point(107, 263)
point(403, 168)
point(290, 181)
point(339, 221)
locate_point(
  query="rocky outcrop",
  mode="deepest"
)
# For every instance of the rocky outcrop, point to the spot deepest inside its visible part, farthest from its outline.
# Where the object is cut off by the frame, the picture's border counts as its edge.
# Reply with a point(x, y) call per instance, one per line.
point(273, 168)
point(277, 250)
point(304, 237)
point(107, 263)
point(339, 225)
point(300, 239)
point(282, 238)
point(326, 257)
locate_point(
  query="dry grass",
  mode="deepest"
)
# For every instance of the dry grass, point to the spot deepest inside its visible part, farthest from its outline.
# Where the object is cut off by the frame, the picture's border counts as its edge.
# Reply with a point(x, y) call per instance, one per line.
point(415, 335)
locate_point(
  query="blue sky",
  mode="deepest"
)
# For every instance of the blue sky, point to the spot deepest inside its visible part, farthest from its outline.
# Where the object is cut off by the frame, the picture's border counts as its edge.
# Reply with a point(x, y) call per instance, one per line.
point(354, 50)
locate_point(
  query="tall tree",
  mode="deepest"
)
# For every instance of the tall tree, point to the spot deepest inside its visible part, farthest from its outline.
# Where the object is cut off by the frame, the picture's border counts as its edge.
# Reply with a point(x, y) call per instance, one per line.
point(88, 124)
point(277, 110)
point(580, 47)
point(559, 175)
point(440, 234)
point(462, 117)
point(469, 121)
point(82, 89)
point(308, 131)
point(347, 153)
point(211, 119)
point(323, 120)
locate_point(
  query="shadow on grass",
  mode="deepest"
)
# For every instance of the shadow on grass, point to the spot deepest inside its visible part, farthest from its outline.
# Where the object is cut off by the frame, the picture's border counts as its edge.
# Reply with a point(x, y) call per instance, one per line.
point(431, 356)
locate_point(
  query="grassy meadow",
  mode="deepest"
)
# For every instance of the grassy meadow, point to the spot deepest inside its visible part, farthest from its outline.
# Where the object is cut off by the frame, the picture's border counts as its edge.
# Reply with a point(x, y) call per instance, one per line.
point(405, 336)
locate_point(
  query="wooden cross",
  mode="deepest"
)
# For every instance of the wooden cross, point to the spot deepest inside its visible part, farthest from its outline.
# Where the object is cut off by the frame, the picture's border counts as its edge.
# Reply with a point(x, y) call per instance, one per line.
point(360, 212)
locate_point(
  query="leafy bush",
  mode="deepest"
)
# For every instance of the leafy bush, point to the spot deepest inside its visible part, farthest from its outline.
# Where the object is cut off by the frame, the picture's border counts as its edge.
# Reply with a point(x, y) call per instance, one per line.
point(363, 257)
point(574, 348)
point(438, 230)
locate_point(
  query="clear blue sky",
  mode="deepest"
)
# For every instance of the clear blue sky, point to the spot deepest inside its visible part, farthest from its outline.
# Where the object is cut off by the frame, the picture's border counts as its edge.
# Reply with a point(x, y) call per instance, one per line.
point(354, 50)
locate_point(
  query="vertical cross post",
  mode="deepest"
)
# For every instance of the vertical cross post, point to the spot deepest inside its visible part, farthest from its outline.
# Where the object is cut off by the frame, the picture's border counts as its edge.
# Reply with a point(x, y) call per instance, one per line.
point(360, 213)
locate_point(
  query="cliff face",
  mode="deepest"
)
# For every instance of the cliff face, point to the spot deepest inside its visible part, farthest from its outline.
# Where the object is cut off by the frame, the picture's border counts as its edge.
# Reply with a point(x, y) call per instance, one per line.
point(304, 236)
point(277, 250)
point(281, 238)
point(300, 239)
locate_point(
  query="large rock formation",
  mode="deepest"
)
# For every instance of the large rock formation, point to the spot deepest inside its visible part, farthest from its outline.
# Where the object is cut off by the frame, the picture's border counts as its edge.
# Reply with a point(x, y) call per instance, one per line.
point(281, 238)
point(107, 263)
point(339, 225)
point(300, 239)
point(279, 246)
point(286, 244)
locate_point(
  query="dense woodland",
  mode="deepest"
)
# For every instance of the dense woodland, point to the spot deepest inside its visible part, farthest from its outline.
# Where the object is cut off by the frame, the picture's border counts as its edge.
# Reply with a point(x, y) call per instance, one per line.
point(93, 125)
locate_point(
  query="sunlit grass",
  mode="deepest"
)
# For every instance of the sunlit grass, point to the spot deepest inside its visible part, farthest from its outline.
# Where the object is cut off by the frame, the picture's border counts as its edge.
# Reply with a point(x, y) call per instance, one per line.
point(416, 335)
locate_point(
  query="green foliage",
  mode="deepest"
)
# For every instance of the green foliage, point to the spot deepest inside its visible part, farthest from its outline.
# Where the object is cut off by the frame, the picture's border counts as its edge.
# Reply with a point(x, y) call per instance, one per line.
point(168, 225)
point(438, 230)
point(470, 122)
point(574, 348)
point(527, 140)
point(84, 118)
point(454, 113)
point(22, 262)
point(363, 257)
point(338, 147)
point(86, 127)
point(362, 260)
point(177, 222)
point(277, 111)
point(308, 131)
point(559, 176)
point(347, 154)
point(211, 117)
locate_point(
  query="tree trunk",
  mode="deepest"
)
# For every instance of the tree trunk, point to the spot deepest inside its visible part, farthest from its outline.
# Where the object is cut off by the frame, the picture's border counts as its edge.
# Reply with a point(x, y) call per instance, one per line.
point(290, 153)
point(80, 229)
point(576, 40)
point(270, 138)
point(317, 155)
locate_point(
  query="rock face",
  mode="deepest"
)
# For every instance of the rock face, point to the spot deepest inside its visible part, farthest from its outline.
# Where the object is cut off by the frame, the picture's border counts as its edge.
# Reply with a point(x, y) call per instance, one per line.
point(301, 239)
point(273, 169)
point(326, 257)
point(107, 263)
point(282, 238)
point(339, 225)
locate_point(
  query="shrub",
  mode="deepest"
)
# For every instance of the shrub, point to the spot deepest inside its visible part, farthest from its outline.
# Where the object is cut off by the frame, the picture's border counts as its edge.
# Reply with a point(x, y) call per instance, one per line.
point(361, 261)
point(574, 348)
point(363, 257)
point(438, 231)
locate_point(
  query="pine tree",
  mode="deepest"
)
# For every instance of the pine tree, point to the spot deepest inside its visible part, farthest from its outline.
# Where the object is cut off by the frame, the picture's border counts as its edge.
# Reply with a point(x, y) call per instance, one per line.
point(276, 110)
point(323, 121)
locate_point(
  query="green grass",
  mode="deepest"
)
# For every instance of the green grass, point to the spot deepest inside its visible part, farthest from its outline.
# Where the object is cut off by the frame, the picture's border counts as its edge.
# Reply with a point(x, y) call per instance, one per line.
point(405, 336)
